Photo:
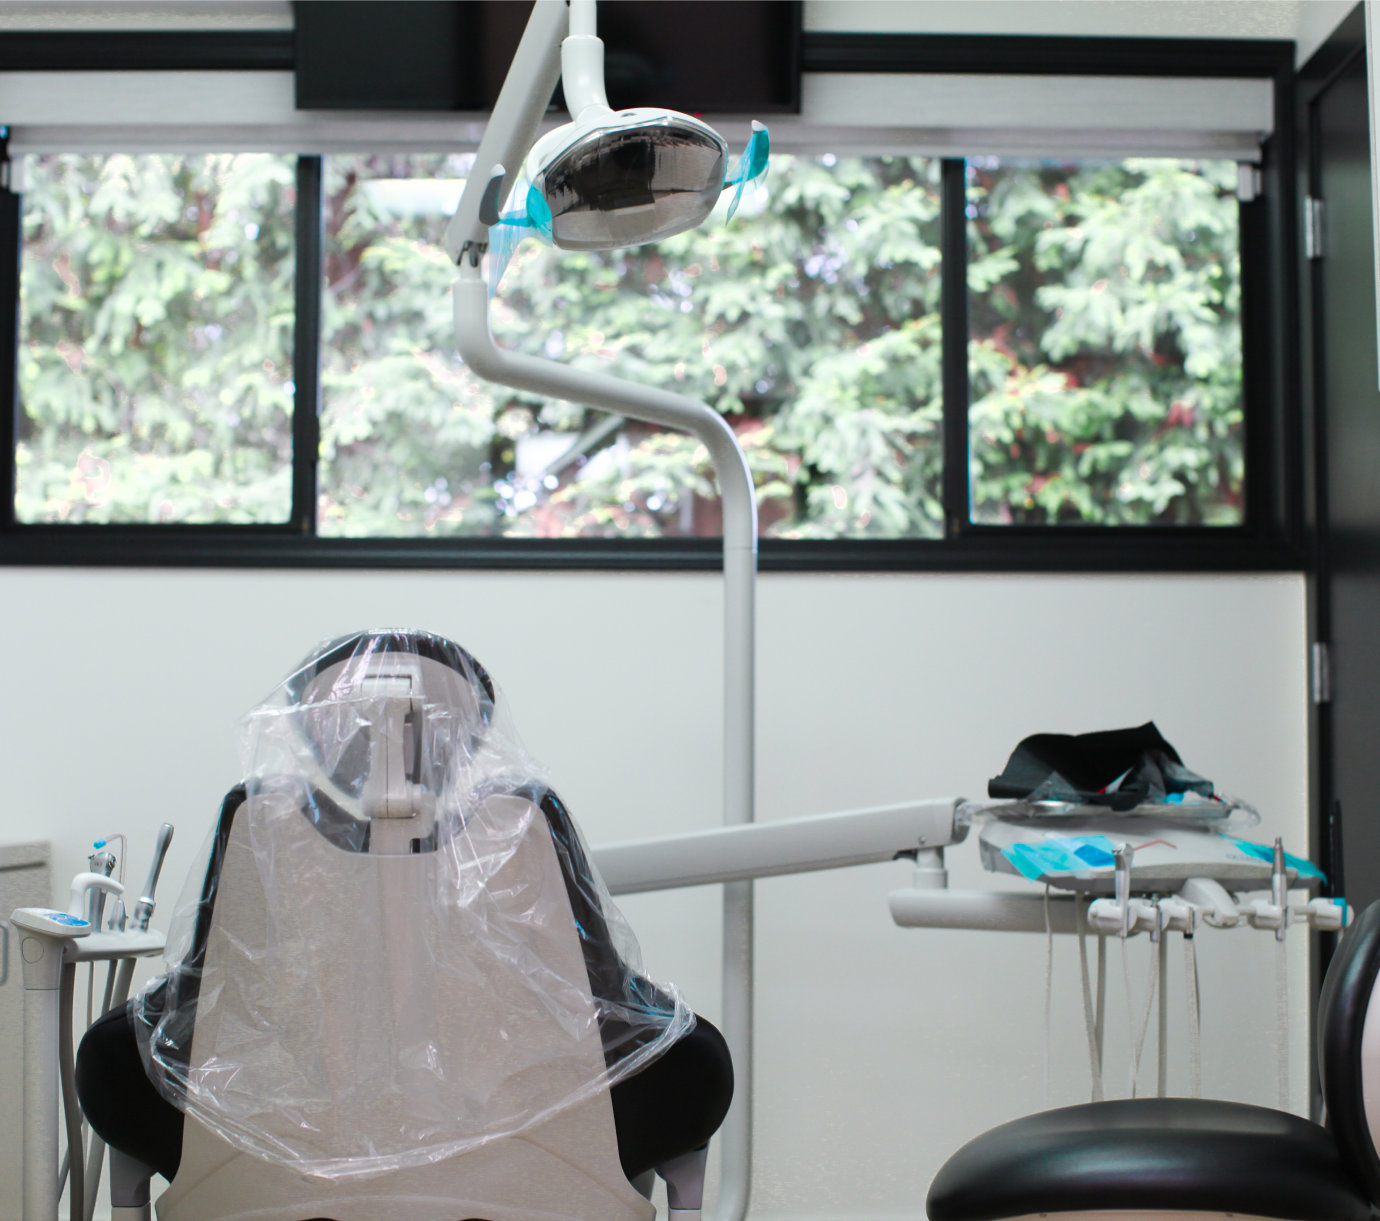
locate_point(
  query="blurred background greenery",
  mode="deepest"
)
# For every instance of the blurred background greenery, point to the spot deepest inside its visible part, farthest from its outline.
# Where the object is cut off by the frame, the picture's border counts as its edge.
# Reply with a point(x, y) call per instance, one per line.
point(1104, 341)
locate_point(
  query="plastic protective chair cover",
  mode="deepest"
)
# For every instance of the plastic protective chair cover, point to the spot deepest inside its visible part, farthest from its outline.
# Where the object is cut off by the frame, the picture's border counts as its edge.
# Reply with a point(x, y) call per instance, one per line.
point(402, 950)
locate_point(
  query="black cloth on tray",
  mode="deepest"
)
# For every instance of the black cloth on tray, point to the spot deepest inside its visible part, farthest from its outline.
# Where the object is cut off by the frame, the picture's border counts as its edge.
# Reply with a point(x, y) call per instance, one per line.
point(1084, 767)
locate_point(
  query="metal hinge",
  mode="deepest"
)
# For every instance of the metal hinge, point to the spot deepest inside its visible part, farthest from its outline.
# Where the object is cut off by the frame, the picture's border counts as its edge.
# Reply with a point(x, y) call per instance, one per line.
point(1313, 227)
point(1322, 673)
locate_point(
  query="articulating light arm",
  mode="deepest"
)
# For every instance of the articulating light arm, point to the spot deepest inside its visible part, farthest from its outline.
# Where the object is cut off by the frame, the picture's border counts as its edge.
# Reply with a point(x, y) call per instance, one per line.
point(513, 126)
point(740, 561)
point(608, 393)
point(511, 131)
point(582, 62)
point(789, 845)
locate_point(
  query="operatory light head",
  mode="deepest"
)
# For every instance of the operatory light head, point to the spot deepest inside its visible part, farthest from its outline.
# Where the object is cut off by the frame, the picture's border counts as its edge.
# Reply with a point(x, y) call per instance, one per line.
point(623, 178)
point(608, 178)
point(620, 178)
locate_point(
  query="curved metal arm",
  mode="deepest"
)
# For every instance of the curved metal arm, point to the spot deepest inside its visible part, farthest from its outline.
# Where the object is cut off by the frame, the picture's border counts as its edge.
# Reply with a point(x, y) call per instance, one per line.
point(606, 393)
point(509, 135)
point(513, 125)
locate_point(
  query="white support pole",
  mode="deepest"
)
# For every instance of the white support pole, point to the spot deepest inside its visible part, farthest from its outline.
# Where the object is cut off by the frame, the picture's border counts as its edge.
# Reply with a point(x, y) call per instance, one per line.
point(42, 956)
point(993, 910)
point(601, 391)
point(41, 1103)
point(1162, 1031)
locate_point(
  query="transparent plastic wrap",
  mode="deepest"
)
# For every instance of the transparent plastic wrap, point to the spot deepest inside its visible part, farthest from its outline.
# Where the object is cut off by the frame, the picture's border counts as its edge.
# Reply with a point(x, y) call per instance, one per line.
point(396, 947)
point(1220, 812)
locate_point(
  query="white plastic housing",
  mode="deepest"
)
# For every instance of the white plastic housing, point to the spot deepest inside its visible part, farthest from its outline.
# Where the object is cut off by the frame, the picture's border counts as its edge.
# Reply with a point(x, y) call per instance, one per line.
point(788, 845)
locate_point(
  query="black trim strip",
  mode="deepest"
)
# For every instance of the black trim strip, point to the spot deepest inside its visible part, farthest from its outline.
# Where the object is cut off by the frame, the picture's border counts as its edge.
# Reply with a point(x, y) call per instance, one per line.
point(1024, 55)
point(981, 549)
point(820, 51)
point(11, 252)
point(306, 345)
point(953, 240)
point(147, 51)
point(1269, 331)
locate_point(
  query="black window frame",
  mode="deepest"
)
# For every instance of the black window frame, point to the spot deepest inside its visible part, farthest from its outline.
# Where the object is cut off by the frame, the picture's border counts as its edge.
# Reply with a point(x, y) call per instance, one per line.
point(1272, 538)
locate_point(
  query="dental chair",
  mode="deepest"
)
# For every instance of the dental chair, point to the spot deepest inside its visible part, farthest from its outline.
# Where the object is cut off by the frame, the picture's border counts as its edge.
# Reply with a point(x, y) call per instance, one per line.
point(1193, 1157)
point(397, 989)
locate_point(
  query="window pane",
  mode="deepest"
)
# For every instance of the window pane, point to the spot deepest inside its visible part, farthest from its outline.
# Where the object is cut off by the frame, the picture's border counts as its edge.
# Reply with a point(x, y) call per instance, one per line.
point(156, 320)
point(810, 320)
point(1105, 343)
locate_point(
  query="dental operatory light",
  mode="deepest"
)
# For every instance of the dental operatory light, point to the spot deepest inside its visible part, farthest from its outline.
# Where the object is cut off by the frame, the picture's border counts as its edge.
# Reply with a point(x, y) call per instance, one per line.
point(609, 179)
point(619, 178)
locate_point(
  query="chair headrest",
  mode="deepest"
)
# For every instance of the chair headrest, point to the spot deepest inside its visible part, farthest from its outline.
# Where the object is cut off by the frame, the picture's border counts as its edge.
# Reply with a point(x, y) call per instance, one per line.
point(375, 727)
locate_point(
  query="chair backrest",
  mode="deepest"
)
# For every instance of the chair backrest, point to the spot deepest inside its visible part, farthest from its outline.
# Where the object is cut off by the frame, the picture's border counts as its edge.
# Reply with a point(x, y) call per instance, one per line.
point(399, 952)
point(1349, 1048)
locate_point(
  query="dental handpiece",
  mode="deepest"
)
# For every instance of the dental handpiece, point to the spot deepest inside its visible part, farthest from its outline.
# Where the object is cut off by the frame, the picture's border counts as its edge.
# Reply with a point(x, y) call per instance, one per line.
point(1122, 855)
point(1279, 887)
point(102, 862)
point(143, 910)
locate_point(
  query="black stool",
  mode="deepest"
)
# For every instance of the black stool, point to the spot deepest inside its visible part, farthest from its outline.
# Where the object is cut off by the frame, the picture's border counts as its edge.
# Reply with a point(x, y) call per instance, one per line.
point(1159, 1155)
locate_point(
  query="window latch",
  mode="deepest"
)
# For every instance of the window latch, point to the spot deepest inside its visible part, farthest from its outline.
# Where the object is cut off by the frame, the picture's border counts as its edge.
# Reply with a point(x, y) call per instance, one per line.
point(1322, 673)
point(1313, 227)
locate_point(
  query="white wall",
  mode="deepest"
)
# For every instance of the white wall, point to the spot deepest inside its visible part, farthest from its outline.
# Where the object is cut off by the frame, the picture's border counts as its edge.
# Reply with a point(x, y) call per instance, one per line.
point(880, 1049)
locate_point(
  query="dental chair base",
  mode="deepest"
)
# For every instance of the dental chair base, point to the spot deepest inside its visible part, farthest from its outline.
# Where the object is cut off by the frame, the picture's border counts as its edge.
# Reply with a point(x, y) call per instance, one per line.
point(129, 1188)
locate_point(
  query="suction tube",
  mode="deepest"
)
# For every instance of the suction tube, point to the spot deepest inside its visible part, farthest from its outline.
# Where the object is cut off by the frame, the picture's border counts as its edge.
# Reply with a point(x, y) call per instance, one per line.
point(511, 131)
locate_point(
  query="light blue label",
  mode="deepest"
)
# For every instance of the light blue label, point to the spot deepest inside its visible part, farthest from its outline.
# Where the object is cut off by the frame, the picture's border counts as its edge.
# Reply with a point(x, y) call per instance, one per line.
point(1075, 854)
point(1304, 868)
point(1094, 850)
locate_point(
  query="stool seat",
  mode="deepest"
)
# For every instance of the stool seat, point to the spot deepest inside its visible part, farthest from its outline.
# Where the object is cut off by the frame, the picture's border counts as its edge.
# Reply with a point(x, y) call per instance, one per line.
point(1151, 1154)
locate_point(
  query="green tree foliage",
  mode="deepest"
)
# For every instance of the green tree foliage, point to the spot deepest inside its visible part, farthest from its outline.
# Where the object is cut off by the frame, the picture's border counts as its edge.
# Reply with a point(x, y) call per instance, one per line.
point(155, 363)
point(809, 321)
point(407, 434)
point(1105, 358)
